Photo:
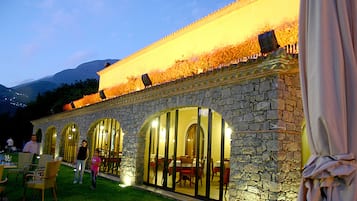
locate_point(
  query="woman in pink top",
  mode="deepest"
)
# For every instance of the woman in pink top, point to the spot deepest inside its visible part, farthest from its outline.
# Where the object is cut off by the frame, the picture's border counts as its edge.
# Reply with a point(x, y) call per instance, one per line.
point(95, 168)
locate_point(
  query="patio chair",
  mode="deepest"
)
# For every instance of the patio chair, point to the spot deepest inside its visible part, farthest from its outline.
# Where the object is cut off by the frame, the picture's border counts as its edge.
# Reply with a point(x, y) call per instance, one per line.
point(44, 179)
point(42, 161)
point(23, 164)
point(2, 182)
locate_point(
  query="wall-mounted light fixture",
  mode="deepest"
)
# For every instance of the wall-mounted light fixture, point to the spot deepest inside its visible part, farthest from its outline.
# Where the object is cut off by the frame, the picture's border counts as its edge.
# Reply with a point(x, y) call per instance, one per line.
point(102, 94)
point(73, 128)
point(268, 42)
point(146, 80)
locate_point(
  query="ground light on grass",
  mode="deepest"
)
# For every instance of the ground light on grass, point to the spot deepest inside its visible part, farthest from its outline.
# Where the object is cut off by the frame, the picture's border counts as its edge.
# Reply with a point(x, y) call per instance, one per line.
point(107, 190)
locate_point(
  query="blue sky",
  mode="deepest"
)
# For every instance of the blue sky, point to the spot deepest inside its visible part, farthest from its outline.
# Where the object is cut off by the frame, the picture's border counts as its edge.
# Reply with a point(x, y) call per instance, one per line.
point(42, 37)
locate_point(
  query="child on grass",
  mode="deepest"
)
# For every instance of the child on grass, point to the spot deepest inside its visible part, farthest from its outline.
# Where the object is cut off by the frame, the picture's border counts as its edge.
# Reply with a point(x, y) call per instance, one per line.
point(95, 168)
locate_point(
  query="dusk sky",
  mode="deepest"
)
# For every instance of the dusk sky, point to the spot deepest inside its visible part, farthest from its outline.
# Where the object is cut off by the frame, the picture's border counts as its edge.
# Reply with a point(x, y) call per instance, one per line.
point(42, 37)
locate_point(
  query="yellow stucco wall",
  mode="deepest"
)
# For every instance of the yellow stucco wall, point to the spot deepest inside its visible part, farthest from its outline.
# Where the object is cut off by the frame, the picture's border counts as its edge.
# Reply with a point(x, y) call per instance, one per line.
point(230, 25)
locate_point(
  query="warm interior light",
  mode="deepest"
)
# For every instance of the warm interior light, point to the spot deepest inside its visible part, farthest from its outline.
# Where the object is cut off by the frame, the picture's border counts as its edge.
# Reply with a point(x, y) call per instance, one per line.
point(154, 123)
point(204, 112)
point(163, 135)
point(228, 132)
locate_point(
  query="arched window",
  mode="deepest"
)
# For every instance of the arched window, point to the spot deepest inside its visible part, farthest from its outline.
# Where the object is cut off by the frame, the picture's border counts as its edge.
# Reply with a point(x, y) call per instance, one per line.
point(191, 141)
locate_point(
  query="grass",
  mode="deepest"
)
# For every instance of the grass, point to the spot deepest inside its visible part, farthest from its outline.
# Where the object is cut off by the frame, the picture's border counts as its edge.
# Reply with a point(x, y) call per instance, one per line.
point(107, 190)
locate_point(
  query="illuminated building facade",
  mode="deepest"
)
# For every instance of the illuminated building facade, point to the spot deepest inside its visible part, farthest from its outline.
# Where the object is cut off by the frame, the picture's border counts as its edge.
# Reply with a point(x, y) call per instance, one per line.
point(219, 120)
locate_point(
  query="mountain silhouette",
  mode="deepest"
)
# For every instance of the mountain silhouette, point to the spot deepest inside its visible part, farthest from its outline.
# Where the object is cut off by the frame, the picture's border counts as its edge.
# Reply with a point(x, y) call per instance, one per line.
point(20, 95)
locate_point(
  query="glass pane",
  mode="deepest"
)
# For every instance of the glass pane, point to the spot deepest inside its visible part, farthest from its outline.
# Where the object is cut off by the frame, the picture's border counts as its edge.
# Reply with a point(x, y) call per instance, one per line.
point(201, 172)
point(161, 149)
point(53, 141)
point(185, 181)
point(146, 155)
point(171, 149)
point(154, 134)
point(113, 137)
point(226, 159)
point(215, 156)
point(189, 137)
point(70, 143)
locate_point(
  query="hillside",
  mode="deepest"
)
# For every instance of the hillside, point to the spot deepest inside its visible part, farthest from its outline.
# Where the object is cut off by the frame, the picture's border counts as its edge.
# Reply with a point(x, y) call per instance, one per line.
point(82, 72)
point(13, 98)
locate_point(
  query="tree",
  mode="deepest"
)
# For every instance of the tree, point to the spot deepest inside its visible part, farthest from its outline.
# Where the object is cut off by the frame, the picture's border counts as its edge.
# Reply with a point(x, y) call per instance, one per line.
point(19, 126)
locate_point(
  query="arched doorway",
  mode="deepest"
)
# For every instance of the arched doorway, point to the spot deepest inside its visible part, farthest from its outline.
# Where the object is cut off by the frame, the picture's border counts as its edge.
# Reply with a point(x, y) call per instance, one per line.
point(175, 161)
point(107, 136)
point(50, 141)
point(69, 143)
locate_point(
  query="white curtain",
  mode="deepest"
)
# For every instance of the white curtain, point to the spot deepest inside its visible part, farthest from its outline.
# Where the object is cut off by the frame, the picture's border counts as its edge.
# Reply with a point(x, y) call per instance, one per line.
point(328, 71)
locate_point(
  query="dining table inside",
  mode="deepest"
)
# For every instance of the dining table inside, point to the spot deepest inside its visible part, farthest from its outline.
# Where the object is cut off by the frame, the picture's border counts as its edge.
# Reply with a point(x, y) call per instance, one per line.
point(186, 169)
point(182, 165)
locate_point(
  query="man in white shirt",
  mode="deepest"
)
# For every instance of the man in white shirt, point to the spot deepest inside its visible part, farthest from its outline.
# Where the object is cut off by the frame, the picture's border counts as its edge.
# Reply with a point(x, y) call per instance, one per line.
point(32, 146)
point(10, 144)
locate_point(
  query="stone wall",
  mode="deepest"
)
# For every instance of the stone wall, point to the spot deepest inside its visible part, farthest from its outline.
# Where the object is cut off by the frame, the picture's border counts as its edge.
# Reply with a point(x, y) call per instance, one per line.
point(261, 102)
point(266, 148)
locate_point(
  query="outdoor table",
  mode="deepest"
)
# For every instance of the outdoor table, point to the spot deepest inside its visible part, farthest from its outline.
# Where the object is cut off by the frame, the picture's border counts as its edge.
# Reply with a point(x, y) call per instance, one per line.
point(9, 165)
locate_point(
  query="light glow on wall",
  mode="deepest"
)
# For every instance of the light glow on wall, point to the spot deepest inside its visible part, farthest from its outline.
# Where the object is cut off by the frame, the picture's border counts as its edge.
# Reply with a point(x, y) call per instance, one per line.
point(231, 25)
point(127, 181)
point(222, 38)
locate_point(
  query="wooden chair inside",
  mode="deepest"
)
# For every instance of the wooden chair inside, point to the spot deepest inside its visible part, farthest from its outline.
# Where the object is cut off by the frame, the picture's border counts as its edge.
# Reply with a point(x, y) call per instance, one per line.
point(226, 173)
point(200, 173)
point(187, 170)
point(44, 179)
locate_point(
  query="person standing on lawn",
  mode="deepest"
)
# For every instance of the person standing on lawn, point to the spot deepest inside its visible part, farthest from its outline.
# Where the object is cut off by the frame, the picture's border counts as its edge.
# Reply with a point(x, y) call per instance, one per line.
point(80, 162)
point(10, 144)
point(96, 160)
point(32, 146)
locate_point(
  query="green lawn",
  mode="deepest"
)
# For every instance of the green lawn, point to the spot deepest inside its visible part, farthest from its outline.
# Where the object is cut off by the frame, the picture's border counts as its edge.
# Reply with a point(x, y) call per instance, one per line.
point(106, 190)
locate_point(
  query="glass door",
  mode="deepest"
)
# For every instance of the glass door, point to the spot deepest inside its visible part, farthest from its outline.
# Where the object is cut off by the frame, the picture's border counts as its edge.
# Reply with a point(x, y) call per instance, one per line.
point(187, 152)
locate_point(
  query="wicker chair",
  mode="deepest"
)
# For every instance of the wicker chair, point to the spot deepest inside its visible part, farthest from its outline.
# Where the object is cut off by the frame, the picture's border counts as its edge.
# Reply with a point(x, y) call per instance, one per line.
point(42, 161)
point(23, 164)
point(44, 179)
